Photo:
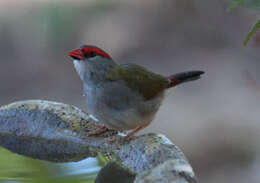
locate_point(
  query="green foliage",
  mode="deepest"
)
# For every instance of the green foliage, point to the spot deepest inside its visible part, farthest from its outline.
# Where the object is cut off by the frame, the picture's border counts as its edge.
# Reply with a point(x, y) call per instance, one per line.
point(21, 169)
point(104, 160)
point(234, 4)
point(255, 28)
point(254, 4)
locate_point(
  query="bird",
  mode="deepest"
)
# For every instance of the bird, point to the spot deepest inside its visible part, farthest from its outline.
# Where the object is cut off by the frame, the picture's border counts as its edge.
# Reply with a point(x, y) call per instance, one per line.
point(124, 97)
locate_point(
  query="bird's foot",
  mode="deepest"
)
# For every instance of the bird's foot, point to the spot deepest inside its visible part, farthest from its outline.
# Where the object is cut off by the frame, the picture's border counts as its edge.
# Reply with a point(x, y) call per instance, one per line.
point(128, 137)
point(120, 138)
point(98, 131)
point(131, 135)
point(113, 139)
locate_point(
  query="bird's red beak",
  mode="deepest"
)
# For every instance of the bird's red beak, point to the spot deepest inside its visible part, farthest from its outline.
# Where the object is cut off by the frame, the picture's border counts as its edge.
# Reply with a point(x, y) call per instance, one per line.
point(77, 54)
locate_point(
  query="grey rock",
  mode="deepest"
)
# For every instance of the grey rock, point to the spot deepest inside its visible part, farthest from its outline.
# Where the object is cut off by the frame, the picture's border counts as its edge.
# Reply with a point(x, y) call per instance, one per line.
point(58, 132)
point(114, 173)
point(176, 171)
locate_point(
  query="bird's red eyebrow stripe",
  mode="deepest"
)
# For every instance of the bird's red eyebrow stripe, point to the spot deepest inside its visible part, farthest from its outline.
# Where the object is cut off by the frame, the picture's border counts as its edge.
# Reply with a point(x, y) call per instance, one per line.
point(98, 52)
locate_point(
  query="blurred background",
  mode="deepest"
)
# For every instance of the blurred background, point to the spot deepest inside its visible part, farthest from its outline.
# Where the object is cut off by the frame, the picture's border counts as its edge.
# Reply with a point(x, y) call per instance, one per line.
point(215, 120)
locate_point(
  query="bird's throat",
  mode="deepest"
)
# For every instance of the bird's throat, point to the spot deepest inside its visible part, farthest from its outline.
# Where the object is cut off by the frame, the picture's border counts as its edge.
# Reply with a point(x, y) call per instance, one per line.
point(80, 68)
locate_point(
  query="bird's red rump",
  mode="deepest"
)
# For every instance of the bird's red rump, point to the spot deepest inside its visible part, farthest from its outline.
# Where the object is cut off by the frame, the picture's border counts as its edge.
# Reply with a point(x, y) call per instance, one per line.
point(173, 82)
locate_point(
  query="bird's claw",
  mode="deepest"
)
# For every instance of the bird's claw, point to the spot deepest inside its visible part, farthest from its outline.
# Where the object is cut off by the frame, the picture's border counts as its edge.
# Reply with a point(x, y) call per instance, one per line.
point(98, 131)
point(120, 139)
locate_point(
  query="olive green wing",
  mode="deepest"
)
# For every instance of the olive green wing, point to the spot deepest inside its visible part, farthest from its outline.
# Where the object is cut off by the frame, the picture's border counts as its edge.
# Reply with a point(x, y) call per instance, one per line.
point(137, 78)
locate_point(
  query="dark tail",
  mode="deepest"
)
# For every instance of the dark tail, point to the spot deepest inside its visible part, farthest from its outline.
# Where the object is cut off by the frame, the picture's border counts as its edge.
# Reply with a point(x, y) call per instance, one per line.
point(184, 77)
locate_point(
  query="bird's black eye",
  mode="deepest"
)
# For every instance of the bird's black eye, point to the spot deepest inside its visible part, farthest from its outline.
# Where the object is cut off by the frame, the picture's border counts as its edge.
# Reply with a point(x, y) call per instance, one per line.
point(92, 54)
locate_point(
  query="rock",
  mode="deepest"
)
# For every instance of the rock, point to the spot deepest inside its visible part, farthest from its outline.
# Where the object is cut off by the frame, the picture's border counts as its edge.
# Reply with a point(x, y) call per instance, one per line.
point(58, 132)
point(46, 130)
point(114, 173)
point(170, 171)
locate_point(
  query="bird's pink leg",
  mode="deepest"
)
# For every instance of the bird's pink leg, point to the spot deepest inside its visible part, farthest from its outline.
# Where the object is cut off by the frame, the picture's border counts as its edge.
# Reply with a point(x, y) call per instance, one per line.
point(98, 131)
point(129, 135)
point(132, 133)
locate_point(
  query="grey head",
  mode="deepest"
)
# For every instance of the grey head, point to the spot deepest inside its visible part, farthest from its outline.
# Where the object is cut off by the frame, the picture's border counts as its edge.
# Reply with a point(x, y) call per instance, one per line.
point(92, 64)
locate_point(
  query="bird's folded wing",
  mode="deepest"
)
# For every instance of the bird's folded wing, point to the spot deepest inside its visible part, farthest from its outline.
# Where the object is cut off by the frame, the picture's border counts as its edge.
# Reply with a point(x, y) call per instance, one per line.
point(140, 80)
